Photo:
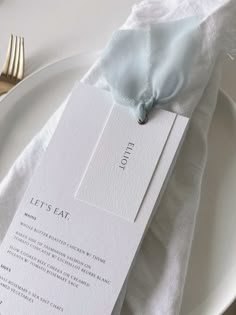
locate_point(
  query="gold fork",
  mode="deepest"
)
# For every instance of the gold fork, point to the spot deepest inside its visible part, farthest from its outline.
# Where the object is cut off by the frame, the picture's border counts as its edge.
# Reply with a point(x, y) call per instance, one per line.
point(13, 69)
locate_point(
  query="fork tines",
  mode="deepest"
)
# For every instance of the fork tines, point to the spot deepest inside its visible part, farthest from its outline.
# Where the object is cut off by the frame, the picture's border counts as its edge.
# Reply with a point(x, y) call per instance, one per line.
point(14, 64)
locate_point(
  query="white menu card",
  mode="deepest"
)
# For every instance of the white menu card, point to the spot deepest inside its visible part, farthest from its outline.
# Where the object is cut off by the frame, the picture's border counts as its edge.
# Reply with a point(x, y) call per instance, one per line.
point(78, 228)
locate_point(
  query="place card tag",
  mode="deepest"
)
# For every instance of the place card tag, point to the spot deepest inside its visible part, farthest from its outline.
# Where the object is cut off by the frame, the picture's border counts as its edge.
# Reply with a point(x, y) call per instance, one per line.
point(126, 155)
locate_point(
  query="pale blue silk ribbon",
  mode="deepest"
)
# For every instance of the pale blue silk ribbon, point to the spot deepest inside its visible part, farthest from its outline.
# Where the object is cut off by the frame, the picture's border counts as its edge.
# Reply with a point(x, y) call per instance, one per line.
point(149, 66)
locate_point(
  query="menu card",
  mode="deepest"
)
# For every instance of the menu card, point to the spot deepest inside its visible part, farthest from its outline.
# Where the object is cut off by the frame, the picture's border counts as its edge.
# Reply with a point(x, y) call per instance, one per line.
point(81, 221)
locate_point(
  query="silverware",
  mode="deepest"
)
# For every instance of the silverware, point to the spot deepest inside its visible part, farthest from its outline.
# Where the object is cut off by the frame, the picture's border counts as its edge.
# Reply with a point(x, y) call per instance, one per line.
point(13, 69)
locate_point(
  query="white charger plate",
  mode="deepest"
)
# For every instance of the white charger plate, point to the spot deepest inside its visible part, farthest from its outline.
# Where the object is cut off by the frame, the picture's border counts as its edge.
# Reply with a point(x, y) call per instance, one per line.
point(211, 279)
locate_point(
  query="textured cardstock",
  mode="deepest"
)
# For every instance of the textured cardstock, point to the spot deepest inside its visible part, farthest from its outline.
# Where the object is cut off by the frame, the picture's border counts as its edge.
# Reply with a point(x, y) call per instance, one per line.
point(126, 155)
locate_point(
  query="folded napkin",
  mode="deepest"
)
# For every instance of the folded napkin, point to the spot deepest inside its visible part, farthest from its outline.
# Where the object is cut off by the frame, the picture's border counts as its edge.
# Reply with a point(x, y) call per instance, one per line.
point(156, 281)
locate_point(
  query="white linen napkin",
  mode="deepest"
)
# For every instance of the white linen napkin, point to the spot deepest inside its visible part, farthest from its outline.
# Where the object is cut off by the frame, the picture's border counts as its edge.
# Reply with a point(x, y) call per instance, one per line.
point(156, 281)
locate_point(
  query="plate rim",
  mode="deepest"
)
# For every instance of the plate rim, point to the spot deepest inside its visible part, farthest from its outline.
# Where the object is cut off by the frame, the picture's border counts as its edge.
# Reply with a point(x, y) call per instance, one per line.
point(93, 55)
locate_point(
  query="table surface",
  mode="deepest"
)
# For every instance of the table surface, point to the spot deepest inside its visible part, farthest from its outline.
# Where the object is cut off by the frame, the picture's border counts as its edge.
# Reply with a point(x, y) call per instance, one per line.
point(55, 29)
point(231, 310)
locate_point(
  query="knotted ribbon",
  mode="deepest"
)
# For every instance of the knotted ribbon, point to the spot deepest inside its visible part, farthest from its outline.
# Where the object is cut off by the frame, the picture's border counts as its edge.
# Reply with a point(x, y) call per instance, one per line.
point(149, 66)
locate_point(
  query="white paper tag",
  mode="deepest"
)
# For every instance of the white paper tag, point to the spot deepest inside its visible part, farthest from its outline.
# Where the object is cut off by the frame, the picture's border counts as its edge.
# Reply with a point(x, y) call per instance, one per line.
point(122, 165)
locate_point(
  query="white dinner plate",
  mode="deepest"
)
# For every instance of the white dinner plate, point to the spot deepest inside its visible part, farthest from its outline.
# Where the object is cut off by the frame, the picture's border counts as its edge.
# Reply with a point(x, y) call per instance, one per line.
point(211, 279)
point(27, 107)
